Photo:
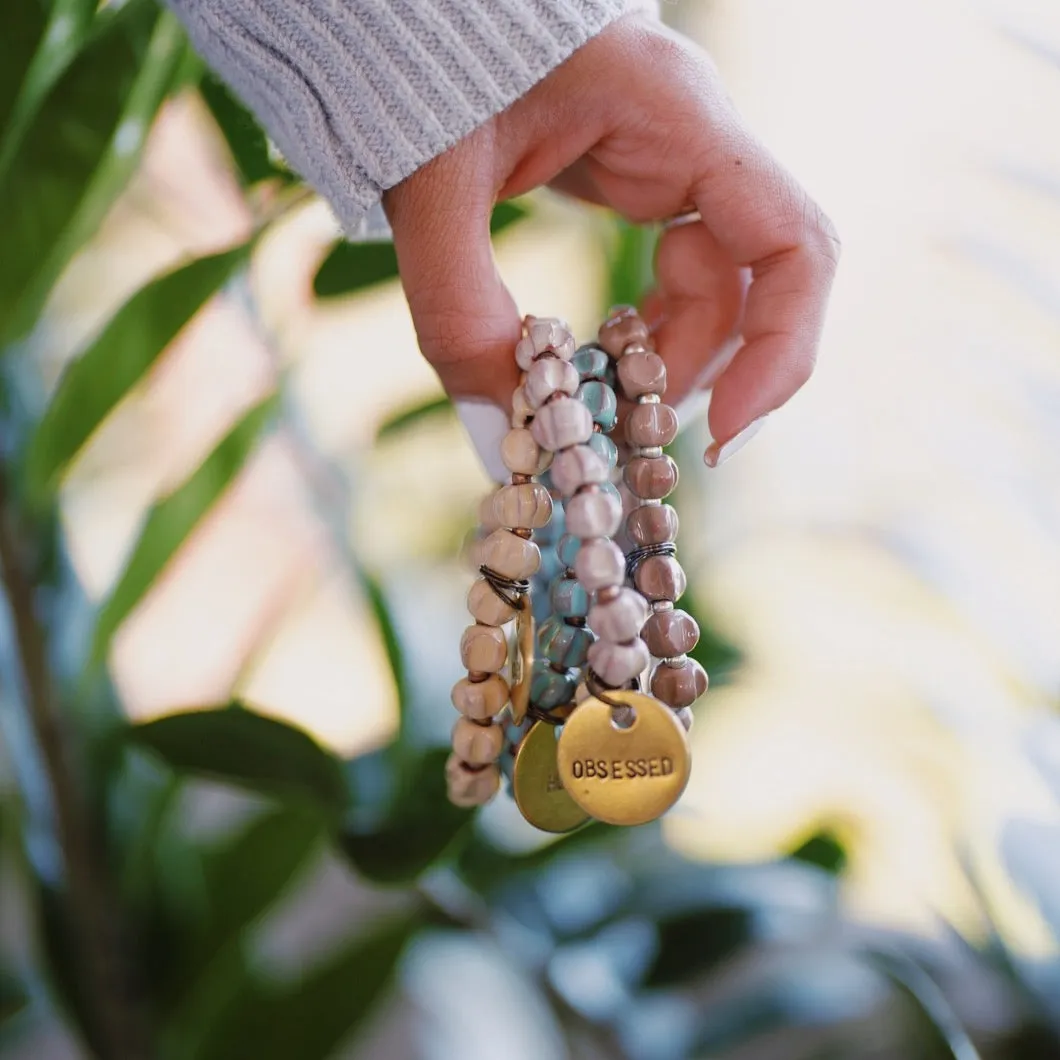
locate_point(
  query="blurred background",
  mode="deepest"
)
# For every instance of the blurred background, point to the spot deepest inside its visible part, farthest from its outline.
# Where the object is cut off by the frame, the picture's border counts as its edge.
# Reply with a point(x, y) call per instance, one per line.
point(231, 517)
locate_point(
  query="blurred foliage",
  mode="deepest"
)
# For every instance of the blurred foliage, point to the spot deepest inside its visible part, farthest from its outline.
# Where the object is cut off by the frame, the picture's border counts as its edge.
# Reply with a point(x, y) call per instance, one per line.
point(143, 932)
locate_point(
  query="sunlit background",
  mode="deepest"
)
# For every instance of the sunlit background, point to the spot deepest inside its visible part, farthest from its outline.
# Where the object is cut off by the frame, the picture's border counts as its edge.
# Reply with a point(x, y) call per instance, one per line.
point(885, 555)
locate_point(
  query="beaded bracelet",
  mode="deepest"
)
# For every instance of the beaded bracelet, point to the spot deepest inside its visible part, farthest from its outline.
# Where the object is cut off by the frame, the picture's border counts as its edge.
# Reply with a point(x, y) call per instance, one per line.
point(562, 394)
point(651, 476)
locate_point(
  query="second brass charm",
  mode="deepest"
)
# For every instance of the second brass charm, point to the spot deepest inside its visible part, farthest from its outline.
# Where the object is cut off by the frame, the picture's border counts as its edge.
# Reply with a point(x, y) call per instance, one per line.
point(624, 776)
point(536, 784)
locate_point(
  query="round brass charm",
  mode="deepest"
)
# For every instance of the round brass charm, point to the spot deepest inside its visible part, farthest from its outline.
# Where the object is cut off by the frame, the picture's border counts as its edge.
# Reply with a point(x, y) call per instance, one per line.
point(521, 660)
point(624, 776)
point(536, 785)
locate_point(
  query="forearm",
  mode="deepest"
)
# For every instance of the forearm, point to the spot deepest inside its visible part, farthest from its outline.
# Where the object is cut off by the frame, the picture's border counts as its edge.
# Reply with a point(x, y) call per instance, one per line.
point(358, 94)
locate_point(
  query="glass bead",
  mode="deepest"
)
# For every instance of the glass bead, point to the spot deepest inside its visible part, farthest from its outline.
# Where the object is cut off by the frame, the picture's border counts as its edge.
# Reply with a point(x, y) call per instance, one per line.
point(601, 402)
point(551, 688)
point(605, 449)
point(569, 599)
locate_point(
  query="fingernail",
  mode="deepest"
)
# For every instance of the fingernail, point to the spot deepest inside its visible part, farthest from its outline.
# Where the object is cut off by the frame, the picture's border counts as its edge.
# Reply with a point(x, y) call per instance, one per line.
point(486, 424)
point(716, 455)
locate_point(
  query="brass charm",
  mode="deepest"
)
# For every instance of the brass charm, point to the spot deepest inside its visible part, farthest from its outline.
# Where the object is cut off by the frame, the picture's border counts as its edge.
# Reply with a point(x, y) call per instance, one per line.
point(521, 660)
point(536, 785)
point(624, 776)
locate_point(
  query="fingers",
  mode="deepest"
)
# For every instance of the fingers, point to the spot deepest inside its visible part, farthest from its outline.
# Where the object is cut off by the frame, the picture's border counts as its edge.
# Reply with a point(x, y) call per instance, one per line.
point(762, 219)
point(466, 320)
point(695, 307)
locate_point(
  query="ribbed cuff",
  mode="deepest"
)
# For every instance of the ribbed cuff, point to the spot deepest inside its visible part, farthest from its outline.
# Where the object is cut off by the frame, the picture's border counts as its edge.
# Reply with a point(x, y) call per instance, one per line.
point(358, 94)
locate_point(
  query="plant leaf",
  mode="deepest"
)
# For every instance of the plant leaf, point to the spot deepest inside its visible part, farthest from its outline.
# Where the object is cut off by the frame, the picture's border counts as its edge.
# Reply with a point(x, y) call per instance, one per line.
point(246, 140)
point(415, 830)
point(632, 263)
point(94, 384)
point(172, 519)
point(395, 651)
point(411, 417)
point(310, 1018)
point(77, 155)
point(24, 25)
point(352, 267)
point(13, 997)
point(248, 749)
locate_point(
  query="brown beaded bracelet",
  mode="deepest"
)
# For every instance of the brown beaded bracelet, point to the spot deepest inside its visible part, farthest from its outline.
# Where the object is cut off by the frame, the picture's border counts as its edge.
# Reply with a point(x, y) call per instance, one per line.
point(651, 476)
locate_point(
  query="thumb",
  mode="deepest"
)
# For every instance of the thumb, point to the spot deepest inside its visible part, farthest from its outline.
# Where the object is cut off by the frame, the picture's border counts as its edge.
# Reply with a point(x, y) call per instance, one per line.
point(466, 320)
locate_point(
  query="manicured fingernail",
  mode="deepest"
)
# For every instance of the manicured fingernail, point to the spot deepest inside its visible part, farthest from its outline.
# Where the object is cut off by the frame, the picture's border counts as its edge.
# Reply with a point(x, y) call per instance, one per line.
point(716, 455)
point(487, 424)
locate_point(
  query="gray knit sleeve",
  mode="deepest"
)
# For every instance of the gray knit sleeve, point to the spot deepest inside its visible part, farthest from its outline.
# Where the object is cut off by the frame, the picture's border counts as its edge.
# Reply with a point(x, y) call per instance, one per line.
point(358, 94)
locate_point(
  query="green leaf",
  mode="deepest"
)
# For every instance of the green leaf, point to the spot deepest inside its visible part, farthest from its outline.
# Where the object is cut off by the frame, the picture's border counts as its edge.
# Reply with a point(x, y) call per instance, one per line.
point(395, 652)
point(24, 23)
point(413, 417)
point(253, 751)
point(246, 140)
point(352, 267)
point(632, 263)
point(418, 827)
point(172, 519)
point(823, 850)
point(94, 383)
point(309, 1019)
point(77, 155)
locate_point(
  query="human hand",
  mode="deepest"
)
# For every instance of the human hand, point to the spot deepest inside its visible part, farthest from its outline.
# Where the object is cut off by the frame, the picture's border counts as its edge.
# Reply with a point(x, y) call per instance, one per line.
point(639, 121)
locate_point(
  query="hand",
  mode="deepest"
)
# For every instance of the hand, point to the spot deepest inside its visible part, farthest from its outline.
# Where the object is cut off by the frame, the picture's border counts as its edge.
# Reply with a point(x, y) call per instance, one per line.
point(636, 120)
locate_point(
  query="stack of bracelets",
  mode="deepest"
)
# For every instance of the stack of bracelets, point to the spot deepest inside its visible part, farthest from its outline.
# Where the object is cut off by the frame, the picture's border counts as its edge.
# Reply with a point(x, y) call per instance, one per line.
point(570, 728)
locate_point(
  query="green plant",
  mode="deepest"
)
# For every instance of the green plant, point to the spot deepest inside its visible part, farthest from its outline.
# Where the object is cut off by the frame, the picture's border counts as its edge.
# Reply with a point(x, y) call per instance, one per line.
point(141, 935)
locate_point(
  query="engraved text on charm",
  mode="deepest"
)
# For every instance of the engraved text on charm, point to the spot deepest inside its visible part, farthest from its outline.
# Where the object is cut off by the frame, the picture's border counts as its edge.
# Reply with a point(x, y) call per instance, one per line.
point(629, 775)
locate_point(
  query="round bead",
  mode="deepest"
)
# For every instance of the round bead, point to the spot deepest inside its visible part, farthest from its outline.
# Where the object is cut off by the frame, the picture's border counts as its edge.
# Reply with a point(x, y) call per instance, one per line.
point(562, 423)
point(478, 745)
point(467, 788)
point(651, 477)
point(679, 686)
point(591, 361)
point(600, 564)
point(622, 329)
point(670, 633)
point(486, 606)
point(615, 664)
point(685, 717)
point(660, 578)
point(563, 644)
point(550, 568)
point(480, 700)
point(652, 524)
point(620, 619)
point(527, 505)
point(594, 513)
point(600, 400)
point(483, 648)
point(549, 334)
point(521, 410)
point(567, 550)
point(510, 555)
point(605, 449)
point(654, 424)
point(521, 454)
point(577, 466)
point(550, 688)
point(547, 377)
point(486, 520)
point(568, 598)
point(642, 372)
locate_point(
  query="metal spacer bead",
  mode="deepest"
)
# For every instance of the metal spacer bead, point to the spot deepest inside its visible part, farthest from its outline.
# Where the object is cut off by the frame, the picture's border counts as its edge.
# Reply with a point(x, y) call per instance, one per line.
point(650, 451)
point(523, 532)
point(521, 480)
point(649, 399)
point(477, 676)
point(634, 347)
point(604, 596)
point(676, 661)
point(662, 605)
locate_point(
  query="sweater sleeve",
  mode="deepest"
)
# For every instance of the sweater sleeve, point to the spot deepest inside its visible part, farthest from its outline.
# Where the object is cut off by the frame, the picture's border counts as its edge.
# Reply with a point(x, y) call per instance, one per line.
point(358, 94)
